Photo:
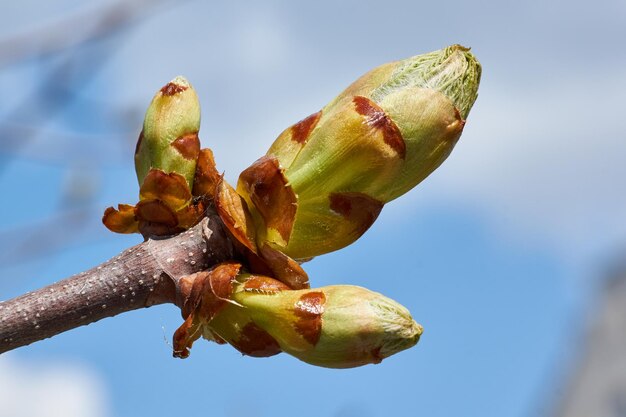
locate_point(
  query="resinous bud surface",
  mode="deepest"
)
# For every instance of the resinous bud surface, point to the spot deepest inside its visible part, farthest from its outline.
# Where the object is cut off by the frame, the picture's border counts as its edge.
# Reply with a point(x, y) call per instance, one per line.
point(169, 139)
point(339, 326)
point(325, 179)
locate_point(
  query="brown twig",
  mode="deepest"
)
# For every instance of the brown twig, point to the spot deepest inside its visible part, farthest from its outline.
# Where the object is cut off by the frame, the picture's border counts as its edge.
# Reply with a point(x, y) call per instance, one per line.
point(144, 275)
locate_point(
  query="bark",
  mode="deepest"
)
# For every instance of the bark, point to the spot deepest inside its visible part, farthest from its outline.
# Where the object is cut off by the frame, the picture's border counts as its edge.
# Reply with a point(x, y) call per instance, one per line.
point(144, 275)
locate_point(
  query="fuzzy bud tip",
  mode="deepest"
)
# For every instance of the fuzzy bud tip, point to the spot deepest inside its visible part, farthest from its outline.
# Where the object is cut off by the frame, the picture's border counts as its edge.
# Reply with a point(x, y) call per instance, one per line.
point(454, 71)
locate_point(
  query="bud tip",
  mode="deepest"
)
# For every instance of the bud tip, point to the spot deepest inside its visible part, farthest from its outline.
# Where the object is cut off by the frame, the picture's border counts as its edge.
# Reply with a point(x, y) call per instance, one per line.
point(177, 85)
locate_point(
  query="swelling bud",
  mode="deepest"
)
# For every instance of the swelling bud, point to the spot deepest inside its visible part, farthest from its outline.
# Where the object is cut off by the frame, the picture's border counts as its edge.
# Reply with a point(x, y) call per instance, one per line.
point(169, 139)
point(338, 326)
point(325, 179)
point(166, 158)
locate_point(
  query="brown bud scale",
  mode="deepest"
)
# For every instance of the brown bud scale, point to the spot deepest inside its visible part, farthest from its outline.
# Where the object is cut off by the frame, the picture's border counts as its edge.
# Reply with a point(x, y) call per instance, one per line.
point(139, 140)
point(188, 146)
point(376, 117)
point(359, 207)
point(256, 342)
point(170, 89)
point(265, 285)
point(309, 309)
point(300, 131)
point(271, 194)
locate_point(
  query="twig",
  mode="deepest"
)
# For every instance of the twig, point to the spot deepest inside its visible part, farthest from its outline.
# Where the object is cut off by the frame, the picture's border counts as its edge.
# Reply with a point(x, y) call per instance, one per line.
point(144, 275)
point(72, 30)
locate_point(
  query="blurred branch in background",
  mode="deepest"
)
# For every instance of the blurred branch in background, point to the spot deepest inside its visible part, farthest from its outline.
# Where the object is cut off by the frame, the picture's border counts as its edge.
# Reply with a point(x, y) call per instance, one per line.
point(60, 148)
point(596, 384)
point(76, 30)
point(88, 135)
point(589, 376)
point(70, 52)
point(46, 236)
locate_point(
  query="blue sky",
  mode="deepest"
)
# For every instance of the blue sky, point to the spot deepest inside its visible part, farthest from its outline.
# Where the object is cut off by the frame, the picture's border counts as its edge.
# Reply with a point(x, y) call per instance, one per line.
point(497, 254)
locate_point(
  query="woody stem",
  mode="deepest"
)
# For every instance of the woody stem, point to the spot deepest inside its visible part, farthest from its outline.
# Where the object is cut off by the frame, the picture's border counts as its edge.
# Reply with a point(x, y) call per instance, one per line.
point(142, 276)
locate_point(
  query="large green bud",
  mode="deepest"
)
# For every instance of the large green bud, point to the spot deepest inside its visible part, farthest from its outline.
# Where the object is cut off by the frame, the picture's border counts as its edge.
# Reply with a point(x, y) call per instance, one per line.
point(338, 326)
point(325, 179)
point(169, 139)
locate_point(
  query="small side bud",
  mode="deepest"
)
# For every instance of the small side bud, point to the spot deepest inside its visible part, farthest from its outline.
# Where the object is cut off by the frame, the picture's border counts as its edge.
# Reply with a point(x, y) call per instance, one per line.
point(338, 326)
point(169, 139)
point(166, 161)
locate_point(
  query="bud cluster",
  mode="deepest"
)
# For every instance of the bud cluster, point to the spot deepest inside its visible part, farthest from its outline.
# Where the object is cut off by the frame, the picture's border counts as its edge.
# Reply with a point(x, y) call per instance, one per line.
point(320, 186)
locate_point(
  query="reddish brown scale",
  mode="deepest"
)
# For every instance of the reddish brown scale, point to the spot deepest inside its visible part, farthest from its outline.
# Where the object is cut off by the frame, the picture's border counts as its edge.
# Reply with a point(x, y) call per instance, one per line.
point(170, 89)
point(207, 177)
point(190, 216)
point(204, 294)
point(300, 131)
point(185, 285)
point(341, 205)
point(155, 211)
point(256, 342)
point(190, 330)
point(271, 194)
point(309, 309)
point(377, 118)
point(458, 116)
point(233, 211)
point(122, 220)
point(188, 146)
point(256, 263)
point(264, 284)
point(284, 268)
point(212, 293)
point(183, 339)
point(192, 291)
point(171, 188)
point(359, 208)
point(210, 289)
point(151, 230)
point(221, 279)
point(139, 140)
point(377, 357)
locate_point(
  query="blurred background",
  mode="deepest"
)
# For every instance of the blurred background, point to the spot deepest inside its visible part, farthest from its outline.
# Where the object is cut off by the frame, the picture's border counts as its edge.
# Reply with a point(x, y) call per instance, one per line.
point(511, 255)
